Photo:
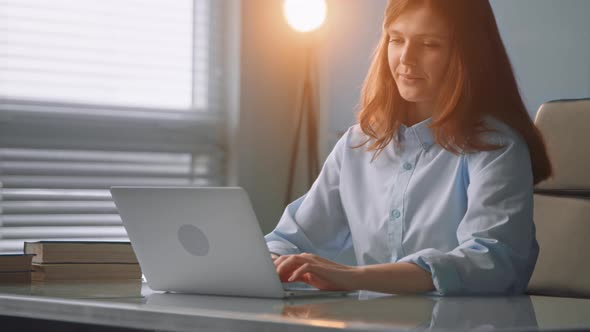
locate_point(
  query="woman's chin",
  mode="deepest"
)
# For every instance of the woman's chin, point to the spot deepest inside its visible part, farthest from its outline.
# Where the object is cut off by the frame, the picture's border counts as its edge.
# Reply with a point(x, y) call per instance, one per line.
point(413, 98)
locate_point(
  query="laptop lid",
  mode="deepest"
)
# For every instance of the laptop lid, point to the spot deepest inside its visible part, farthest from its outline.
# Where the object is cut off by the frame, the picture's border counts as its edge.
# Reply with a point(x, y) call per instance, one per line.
point(203, 240)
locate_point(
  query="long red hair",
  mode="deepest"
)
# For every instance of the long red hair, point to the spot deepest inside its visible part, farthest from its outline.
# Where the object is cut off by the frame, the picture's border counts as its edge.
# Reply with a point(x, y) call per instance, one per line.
point(480, 82)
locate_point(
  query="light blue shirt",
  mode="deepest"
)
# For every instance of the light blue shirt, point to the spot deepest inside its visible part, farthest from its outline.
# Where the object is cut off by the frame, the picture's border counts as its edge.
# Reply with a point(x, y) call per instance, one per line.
point(467, 218)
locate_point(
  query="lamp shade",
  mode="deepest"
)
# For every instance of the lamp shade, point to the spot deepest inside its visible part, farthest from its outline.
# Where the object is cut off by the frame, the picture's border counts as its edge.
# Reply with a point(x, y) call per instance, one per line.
point(305, 15)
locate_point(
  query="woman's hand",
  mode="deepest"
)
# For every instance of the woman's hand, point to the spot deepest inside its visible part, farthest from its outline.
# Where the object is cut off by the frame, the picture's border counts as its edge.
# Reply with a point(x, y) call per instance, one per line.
point(316, 271)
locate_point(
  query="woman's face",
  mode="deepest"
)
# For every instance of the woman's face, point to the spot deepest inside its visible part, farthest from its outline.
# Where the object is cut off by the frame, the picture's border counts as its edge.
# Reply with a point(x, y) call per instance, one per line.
point(418, 53)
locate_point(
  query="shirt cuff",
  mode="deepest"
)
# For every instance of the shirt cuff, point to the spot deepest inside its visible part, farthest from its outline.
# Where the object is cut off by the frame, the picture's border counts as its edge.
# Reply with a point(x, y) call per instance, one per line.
point(445, 278)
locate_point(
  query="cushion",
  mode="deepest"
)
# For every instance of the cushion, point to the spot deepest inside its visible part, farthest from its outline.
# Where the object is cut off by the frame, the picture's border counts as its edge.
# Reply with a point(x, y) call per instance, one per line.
point(563, 226)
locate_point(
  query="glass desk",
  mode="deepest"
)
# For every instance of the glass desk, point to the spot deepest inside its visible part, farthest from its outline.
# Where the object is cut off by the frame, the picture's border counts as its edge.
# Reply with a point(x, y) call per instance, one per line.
point(132, 305)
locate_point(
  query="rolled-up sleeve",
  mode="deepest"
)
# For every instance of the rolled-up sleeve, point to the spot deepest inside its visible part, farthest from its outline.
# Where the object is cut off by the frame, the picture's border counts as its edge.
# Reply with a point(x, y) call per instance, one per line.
point(497, 248)
point(316, 222)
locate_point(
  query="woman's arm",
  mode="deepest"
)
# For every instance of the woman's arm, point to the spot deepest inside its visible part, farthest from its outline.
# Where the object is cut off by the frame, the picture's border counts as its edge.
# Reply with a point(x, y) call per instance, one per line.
point(395, 278)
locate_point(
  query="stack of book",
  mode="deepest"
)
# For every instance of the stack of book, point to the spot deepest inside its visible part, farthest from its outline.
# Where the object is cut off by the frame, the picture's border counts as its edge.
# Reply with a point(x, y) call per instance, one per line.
point(59, 260)
point(15, 268)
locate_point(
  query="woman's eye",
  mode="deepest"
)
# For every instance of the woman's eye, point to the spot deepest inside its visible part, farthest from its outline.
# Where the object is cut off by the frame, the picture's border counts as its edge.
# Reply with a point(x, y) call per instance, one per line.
point(396, 40)
point(431, 45)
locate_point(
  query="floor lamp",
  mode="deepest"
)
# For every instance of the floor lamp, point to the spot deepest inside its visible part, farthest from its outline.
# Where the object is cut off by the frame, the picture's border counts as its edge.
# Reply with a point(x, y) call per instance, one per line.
point(306, 16)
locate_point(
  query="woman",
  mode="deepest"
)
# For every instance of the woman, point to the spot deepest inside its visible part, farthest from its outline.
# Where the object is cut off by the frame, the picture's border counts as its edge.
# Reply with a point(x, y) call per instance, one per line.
point(434, 186)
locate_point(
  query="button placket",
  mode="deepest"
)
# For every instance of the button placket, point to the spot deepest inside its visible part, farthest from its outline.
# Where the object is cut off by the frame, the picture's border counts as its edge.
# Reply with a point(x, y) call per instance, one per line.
point(396, 213)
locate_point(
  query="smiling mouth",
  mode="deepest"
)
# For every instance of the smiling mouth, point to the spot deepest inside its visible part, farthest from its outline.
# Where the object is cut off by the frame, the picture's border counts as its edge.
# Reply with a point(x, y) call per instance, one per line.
point(410, 80)
point(409, 77)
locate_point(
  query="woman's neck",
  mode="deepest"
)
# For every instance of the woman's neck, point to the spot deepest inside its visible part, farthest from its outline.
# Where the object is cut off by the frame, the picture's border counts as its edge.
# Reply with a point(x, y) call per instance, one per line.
point(418, 112)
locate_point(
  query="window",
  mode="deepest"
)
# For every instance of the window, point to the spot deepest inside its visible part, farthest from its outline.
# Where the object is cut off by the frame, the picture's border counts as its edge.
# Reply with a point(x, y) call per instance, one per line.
point(101, 93)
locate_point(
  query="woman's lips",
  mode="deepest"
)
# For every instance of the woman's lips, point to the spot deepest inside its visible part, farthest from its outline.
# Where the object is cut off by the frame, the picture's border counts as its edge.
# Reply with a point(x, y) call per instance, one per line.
point(408, 76)
point(409, 79)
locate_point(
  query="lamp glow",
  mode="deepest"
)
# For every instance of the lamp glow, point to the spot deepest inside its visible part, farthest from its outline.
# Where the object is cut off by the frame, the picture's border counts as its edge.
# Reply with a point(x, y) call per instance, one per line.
point(305, 15)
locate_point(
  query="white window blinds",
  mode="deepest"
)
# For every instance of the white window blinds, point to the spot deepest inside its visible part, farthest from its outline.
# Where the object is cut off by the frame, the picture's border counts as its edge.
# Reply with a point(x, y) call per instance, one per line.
point(125, 53)
point(101, 93)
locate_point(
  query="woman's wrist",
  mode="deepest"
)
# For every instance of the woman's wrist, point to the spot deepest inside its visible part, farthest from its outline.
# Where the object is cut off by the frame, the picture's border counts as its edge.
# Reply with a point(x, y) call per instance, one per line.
point(396, 278)
point(358, 277)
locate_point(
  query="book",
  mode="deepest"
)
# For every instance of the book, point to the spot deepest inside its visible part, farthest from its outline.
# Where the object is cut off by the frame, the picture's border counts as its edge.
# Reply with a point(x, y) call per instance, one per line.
point(98, 271)
point(15, 263)
point(15, 277)
point(80, 252)
point(87, 289)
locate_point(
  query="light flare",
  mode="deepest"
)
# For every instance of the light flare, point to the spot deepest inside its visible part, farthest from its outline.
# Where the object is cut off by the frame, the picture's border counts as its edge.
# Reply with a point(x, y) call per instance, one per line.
point(305, 15)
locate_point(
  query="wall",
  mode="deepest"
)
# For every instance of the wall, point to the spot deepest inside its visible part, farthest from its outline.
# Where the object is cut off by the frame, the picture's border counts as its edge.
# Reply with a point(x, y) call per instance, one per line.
point(271, 62)
point(353, 28)
point(549, 47)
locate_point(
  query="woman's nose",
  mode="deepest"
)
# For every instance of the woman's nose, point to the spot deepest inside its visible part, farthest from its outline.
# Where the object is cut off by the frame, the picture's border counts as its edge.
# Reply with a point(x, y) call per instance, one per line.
point(408, 56)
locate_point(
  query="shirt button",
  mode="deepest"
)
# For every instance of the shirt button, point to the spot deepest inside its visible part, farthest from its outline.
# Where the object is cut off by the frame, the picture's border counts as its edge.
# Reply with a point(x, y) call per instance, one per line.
point(425, 146)
point(395, 214)
point(407, 166)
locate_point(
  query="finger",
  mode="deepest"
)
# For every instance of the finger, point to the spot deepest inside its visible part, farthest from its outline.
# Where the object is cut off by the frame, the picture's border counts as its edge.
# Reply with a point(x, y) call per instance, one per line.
point(317, 259)
point(291, 259)
point(281, 259)
point(299, 272)
point(287, 266)
point(316, 276)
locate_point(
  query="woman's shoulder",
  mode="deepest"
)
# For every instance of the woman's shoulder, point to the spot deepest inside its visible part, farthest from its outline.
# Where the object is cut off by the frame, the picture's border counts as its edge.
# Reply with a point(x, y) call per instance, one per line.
point(509, 161)
point(511, 147)
point(351, 137)
point(499, 133)
point(356, 135)
point(350, 146)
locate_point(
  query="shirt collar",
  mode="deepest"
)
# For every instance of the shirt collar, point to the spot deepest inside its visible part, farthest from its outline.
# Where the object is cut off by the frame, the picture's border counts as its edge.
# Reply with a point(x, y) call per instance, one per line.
point(420, 132)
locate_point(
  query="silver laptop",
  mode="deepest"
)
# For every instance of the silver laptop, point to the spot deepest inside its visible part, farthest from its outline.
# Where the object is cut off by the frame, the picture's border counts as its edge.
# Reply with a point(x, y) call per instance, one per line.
point(201, 240)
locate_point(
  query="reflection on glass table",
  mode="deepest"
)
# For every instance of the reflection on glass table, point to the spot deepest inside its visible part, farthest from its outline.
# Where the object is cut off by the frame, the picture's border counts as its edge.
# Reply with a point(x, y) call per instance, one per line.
point(364, 310)
point(372, 308)
point(425, 312)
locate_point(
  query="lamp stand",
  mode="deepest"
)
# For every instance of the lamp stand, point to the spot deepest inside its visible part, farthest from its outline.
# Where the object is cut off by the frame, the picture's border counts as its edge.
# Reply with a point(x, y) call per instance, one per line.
point(306, 112)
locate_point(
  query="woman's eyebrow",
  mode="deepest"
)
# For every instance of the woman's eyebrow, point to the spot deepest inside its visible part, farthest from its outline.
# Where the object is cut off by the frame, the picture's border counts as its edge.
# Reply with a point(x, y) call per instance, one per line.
point(426, 34)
